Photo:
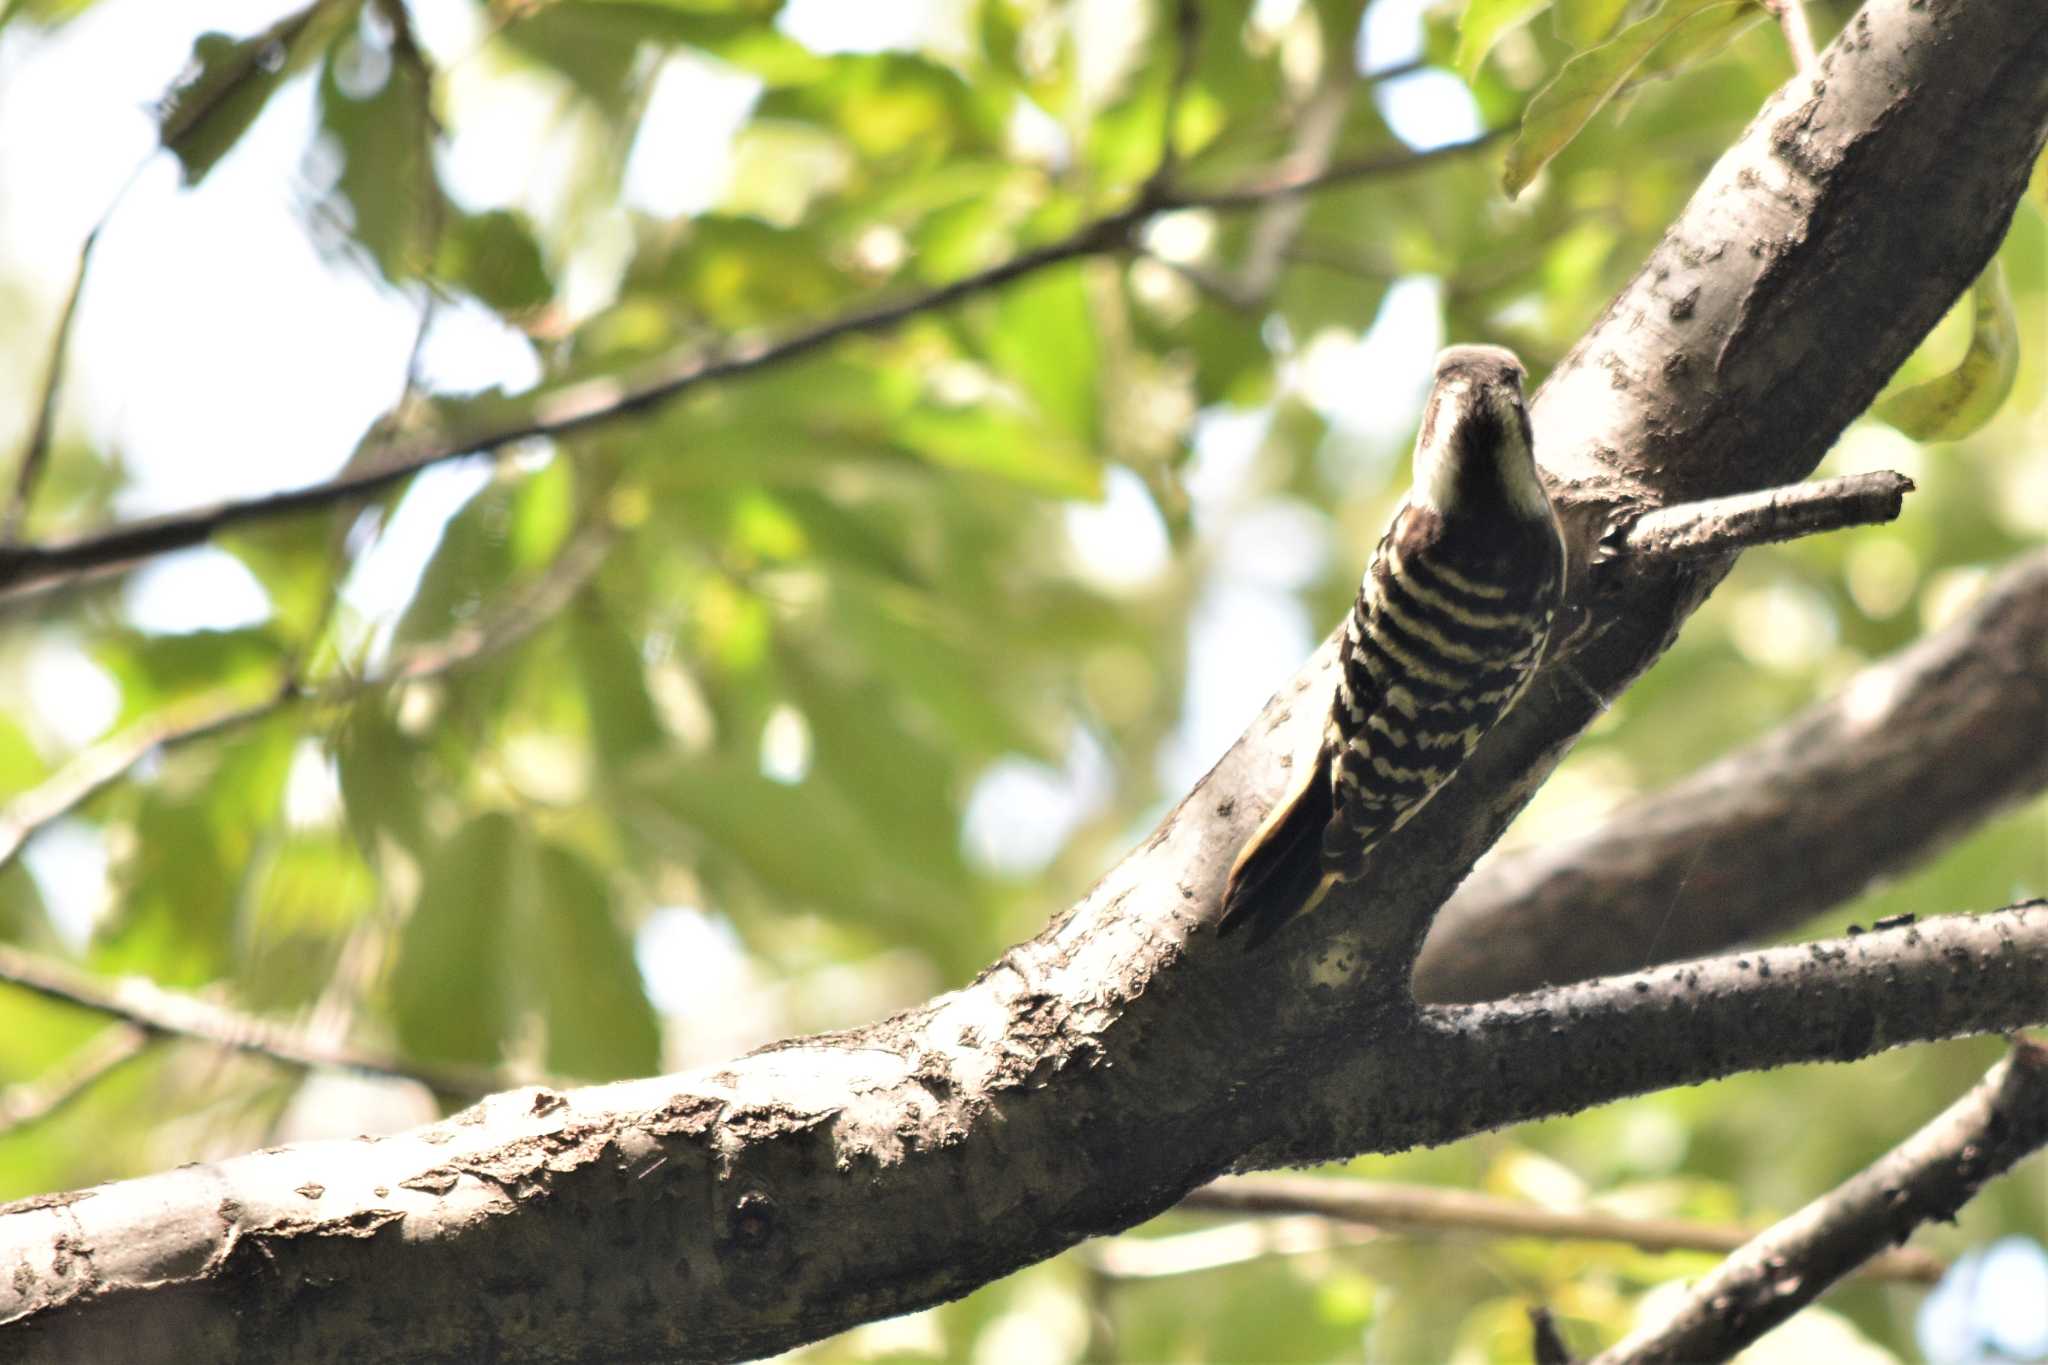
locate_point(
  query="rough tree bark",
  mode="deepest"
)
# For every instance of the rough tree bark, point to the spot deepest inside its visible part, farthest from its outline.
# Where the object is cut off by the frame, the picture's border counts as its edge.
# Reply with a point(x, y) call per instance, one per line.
point(1092, 1076)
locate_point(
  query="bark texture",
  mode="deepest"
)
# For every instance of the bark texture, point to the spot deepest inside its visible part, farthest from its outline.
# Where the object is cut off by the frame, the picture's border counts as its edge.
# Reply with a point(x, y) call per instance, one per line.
point(1094, 1075)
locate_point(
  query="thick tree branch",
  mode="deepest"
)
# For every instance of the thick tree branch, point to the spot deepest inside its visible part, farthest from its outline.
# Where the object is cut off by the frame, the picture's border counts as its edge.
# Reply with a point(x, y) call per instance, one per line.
point(1433, 1208)
point(1909, 755)
point(596, 402)
point(679, 1165)
point(1833, 1000)
point(1926, 1178)
point(1094, 1075)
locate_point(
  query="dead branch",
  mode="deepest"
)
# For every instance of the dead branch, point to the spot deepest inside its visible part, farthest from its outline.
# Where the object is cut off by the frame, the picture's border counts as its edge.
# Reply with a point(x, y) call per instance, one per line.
point(1432, 1208)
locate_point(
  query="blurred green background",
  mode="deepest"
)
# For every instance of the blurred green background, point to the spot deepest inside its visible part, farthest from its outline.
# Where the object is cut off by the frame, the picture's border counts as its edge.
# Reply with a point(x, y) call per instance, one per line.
point(796, 700)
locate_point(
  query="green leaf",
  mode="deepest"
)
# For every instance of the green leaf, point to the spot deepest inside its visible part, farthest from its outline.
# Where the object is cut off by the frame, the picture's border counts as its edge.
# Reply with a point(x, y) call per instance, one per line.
point(597, 44)
point(1484, 23)
point(623, 722)
point(193, 842)
point(1043, 337)
point(1699, 38)
point(303, 896)
point(291, 558)
point(578, 963)
point(901, 782)
point(495, 257)
point(543, 516)
point(386, 131)
point(943, 668)
point(380, 780)
point(1583, 23)
point(156, 670)
point(451, 997)
point(176, 898)
point(47, 13)
point(1585, 83)
point(890, 105)
point(473, 558)
point(1958, 403)
point(228, 81)
point(988, 438)
point(741, 272)
point(801, 847)
point(21, 766)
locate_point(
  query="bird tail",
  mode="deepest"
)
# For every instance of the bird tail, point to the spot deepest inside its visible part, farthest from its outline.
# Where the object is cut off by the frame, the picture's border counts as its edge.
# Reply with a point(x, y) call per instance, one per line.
point(1279, 872)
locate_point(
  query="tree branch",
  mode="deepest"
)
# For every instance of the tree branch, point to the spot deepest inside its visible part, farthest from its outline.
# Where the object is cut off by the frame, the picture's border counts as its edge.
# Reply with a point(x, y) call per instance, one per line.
point(596, 402)
point(1724, 525)
point(30, 1102)
point(1383, 1204)
point(1911, 753)
point(1371, 166)
point(735, 1217)
point(1791, 16)
point(1830, 1000)
point(1094, 1075)
point(36, 451)
point(1187, 48)
point(1225, 1244)
point(100, 765)
point(161, 1013)
point(1926, 1178)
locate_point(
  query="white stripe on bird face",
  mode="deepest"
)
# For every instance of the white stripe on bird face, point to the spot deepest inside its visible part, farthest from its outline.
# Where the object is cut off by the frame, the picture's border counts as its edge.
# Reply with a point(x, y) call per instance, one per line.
point(1512, 462)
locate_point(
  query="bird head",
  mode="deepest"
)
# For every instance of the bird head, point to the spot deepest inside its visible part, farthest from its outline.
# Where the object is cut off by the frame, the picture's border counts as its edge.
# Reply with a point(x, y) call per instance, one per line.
point(1475, 448)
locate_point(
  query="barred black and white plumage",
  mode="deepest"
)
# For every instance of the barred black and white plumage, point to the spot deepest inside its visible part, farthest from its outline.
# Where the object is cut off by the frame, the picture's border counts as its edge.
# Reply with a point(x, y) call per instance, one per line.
point(1449, 623)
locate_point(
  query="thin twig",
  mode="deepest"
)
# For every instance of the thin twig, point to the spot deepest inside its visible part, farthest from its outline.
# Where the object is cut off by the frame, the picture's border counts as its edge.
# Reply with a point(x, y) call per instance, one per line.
point(1384, 1205)
point(153, 1011)
point(1224, 289)
point(31, 1102)
point(1317, 125)
point(1791, 17)
point(1187, 39)
point(151, 1008)
point(1342, 260)
point(36, 453)
point(103, 763)
point(1395, 71)
point(1221, 1246)
point(594, 402)
point(1367, 167)
point(95, 767)
point(1720, 525)
point(1548, 1345)
point(1925, 1178)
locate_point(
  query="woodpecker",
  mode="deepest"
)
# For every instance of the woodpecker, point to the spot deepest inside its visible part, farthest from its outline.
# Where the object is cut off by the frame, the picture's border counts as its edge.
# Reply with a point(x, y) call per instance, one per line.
point(1449, 623)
